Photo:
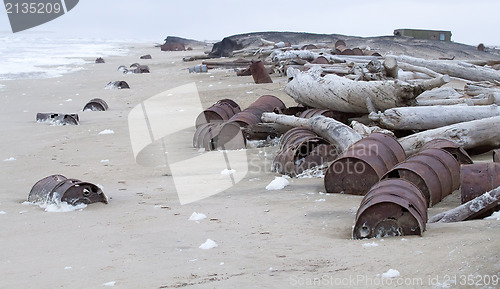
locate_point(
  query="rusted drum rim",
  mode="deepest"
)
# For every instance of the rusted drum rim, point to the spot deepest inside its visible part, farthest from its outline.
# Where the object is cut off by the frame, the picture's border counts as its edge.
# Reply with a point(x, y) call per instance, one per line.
point(457, 151)
point(57, 188)
point(376, 209)
point(96, 104)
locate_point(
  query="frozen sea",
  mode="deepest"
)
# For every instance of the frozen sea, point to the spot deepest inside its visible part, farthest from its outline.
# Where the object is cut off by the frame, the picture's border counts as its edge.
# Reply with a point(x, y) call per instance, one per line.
point(32, 56)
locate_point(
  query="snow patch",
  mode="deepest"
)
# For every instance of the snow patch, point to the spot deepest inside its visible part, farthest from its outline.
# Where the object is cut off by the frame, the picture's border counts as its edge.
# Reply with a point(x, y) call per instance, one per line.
point(494, 216)
point(209, 244)
point(391, 273)
point(61, 207)
point(372, 244)
point(107, 131)
point(10, 159)
point(3, 213)
point(227, 172)
point(111, 283)
point(278, 183)
point(320, 200)
point(197, 216)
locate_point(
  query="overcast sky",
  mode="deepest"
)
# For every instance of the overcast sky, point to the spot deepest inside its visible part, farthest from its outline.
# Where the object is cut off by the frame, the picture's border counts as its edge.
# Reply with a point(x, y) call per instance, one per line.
point(471, 22)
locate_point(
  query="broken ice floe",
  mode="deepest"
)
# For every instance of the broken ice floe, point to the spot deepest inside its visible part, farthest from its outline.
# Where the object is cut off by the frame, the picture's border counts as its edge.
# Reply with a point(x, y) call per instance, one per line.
point(197, 216)
point(209, 244)
point(107, 131)
point(278, 183)
point(391, 273)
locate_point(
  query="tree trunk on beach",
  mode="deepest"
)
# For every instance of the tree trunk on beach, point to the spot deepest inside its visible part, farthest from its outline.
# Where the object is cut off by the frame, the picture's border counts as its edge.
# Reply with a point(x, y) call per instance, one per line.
point(468, 210)
point(429, 117)
point(341, 94)
point(471, 134)
point(452, 68)
point(334, 131)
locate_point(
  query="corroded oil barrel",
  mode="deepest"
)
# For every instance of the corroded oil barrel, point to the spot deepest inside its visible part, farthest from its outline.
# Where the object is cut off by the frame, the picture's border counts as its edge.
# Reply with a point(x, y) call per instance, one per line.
point(320, 60)
point(96, 104)
point(221, 111)
point(337, 115)
point(434, 171)
point(229, 135)
point(58, 118)
point(363, 164)
point(478, 179)
point(55, 189)
point(392, 207)
point(259, 72)
point(213, 136)
point(457, 151)
point(302, 149)
point(496, 156)
point(120, 84)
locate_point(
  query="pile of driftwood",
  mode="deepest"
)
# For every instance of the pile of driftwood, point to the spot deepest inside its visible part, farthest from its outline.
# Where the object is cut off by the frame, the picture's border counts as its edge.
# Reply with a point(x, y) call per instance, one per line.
point(401, 96)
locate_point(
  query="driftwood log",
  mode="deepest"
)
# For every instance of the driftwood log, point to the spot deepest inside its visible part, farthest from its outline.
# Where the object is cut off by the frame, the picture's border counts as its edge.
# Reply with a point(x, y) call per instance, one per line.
point(472, 134)
point(429, 117)
point(337, 133)
point(468, 210)
point(481, 99)
point(453, 68)
point(341, 94)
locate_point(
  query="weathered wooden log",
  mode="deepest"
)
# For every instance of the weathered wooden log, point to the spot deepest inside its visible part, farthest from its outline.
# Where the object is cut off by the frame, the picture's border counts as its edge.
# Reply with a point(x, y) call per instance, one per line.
point(337, 133)
point(365, 130)
point(472, 134)
point(453, 68)
point(429, 117)
point(439, 93)
point(474, 89)
point(391, 67)
point(468, 210)
point(341, 94)
point(478, 100)
point(420, 69)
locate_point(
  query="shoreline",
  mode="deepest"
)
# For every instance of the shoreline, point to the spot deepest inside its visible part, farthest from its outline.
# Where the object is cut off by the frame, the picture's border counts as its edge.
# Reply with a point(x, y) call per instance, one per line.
point(143, 238)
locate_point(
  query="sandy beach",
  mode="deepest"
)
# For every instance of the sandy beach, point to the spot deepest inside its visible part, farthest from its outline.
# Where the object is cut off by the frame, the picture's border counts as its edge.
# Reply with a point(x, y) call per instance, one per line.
point(297, 237)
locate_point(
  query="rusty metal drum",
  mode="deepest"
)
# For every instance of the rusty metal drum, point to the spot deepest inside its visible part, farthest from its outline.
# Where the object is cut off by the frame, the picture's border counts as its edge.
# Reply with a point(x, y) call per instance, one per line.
point(496, 156)
point(363, 164)
point(302, 149)
point(457, 151)
point(392, 207)
point(55, 189)
point(259, 72)
point(58, 118)
point(96, 104)
point(434, 171)
point(477, 179)
point(221, 111)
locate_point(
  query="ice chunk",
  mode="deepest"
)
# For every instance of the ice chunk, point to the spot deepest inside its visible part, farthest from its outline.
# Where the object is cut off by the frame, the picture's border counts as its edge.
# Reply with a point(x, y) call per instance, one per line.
point(278, 184)
point(62, 207)
point(391, 273)
point(209, 244)
point(372, 244)
point(107, 131)
point(227, 172)
point(494, 216)
point(197, 216)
